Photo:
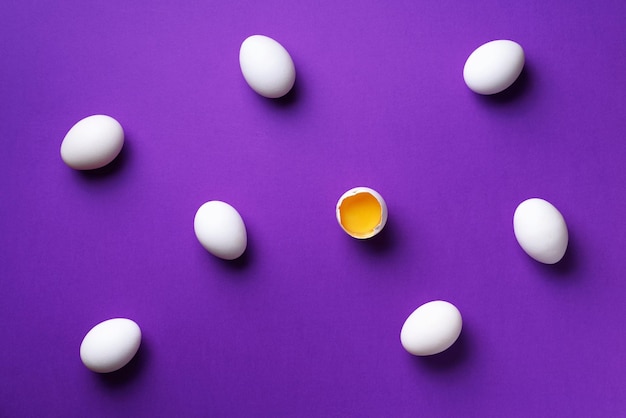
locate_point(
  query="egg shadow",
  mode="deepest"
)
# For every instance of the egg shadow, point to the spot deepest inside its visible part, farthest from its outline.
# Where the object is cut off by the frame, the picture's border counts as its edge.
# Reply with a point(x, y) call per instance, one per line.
point(521, 87)
point(450, 359)
point(129, 373)
point(565, 268)
point(114, 168)
point(291, 99)
point(239, 264)
point(382, 243)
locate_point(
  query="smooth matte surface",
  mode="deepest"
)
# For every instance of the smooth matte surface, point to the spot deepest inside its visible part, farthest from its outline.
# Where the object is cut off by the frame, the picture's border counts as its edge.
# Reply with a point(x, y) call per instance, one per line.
point(307, 322)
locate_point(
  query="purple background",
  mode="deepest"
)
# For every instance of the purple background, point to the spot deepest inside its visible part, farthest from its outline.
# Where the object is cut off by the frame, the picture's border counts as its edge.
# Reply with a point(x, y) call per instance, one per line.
point(308, 322)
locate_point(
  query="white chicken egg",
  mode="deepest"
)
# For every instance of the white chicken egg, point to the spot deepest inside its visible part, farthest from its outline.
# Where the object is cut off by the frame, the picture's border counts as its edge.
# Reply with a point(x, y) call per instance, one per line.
point(493, 66)
point(361, 212)
point(540, 230)
point(221, 230)
point(266, 66)
point(92, 142)
point(110, 345)
point(431, 328)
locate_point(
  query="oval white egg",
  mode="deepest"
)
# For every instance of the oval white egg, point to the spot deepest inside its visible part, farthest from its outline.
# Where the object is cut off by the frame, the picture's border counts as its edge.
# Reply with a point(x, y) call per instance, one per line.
point(92, 142)
point(110, 345)
point(494, 66)
point(266, 66)
point(540, 230)
point(361, 212)
point(221, 230)
point(431, 328)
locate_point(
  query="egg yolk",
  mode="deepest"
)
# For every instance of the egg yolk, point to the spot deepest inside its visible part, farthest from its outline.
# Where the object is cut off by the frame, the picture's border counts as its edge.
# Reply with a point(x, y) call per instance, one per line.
point(360, 214)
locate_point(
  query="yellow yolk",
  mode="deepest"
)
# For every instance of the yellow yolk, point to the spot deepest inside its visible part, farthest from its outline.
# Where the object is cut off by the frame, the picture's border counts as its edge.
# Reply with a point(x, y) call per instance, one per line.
point(360, 214)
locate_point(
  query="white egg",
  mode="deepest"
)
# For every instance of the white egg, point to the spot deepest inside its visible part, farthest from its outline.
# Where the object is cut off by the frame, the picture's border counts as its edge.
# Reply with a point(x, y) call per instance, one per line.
point(110, 345)
point(431, 328)
point(267, 66)
point(220, 230)
point(540, 230)
point(92, 142)
point(361, 212)
point(493, 66)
